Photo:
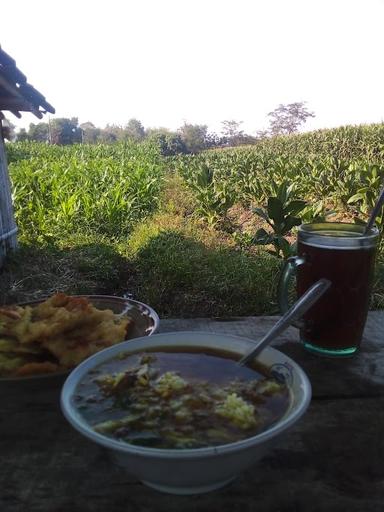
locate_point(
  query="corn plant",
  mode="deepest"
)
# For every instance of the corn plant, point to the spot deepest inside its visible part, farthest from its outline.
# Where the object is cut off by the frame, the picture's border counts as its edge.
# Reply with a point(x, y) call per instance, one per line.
point(371, 178)
point(281, 215)
point(214, 195)
point(101, 189)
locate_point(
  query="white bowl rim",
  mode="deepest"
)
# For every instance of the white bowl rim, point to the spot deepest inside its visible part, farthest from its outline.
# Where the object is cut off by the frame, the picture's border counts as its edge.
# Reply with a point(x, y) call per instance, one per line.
point(81, 426)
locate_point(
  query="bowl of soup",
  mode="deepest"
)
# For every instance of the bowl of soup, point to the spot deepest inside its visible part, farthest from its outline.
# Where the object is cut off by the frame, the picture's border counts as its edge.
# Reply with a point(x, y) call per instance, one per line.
point(178, 413)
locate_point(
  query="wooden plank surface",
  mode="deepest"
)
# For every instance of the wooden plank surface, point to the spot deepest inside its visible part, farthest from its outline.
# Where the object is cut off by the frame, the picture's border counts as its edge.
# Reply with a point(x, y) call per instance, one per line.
point(331, 461)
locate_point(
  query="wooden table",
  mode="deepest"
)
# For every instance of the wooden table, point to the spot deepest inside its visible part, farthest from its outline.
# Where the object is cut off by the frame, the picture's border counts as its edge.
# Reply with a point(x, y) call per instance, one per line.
point(333, 460)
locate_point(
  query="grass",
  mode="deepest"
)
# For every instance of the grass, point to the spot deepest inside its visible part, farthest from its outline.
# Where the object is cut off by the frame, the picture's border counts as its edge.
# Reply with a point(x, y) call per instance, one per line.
point(77, 266)
point(180, 276)
point(172, 272)
point(170, 261)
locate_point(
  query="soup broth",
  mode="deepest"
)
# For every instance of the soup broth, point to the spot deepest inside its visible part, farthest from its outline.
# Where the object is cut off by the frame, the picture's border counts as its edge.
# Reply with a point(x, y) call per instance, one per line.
point(183, 399)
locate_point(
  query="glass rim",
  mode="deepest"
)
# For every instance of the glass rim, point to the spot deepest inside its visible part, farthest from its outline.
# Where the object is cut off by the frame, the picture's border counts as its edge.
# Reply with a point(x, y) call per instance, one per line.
point(324, 234)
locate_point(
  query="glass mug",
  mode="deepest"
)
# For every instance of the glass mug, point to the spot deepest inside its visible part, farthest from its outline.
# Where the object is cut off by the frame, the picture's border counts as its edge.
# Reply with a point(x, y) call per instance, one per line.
point(340, 252)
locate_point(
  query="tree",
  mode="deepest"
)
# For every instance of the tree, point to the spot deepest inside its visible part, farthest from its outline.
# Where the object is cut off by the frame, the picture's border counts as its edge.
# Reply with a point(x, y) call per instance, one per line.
point(39, 132)
point(170, 143)
point(111, 133)
point(65, 131)
point(286, 119)
point(134, 130)
point(261, 135)
point(89, 133)
point(233, 136)
point(212, 140)
point(153, 133)
point(231, 129)
point(194, 137)
point(22, 135)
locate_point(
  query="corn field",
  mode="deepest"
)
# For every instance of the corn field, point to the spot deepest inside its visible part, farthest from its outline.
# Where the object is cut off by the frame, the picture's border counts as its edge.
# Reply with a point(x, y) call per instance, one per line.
point(101, 189)
point(107, 189)
point(342, 167)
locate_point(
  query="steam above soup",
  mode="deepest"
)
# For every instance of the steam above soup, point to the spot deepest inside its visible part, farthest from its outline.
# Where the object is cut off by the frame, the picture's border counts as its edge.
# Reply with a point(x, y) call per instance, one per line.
point(182, 399)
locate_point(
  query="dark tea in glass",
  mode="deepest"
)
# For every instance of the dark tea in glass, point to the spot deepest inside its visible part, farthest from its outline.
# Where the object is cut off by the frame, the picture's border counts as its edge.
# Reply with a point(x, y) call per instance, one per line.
point(341, 253)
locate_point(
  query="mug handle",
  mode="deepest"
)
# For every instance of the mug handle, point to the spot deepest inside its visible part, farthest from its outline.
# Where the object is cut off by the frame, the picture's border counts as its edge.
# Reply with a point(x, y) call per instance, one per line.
point(286, 275)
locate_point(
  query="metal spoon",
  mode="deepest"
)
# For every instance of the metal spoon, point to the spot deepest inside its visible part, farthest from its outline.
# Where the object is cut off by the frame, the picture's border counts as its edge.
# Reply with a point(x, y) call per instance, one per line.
point(294, 312)
point(375, 212)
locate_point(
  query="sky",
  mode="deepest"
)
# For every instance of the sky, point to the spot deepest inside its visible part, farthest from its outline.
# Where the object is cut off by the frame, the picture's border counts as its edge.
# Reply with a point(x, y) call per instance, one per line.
point(166, 62)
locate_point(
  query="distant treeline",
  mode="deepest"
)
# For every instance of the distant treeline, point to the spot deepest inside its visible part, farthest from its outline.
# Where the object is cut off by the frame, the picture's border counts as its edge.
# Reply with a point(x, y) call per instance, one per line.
point(189, 138)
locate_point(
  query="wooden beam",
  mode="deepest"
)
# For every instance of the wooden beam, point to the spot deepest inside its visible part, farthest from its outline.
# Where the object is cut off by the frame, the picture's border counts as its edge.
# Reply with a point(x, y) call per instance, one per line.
point(6, 59)
point(8, 102)
point(30, 92)
point(13, 74)
point(16, 113)
point(14, 82)
point(12, 104)
point(12, 89)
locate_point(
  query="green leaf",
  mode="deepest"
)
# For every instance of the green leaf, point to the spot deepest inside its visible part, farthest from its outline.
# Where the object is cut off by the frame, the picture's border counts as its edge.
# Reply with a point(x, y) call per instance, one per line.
point(282, 192)
point(275, 210)
point(355, 198)
point(262, 237)
point(289, 223)
point(295, 207)
point(285, 247)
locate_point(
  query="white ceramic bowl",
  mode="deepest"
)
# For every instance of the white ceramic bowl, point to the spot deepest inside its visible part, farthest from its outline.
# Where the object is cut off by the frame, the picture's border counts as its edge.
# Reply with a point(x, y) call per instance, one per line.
point(190, 471)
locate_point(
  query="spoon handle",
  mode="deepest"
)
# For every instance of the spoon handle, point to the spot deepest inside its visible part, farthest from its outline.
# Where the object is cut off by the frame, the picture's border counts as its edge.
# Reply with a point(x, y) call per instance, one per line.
point(294, 312)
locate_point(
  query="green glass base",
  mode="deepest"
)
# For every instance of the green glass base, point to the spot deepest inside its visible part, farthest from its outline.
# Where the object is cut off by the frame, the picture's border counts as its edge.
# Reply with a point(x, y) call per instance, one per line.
point(336, 352)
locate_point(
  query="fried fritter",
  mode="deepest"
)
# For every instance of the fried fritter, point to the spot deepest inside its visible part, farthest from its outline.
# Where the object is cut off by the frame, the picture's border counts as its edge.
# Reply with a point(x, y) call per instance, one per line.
point(10, 363)
point(36, 369)
point(15, 321)
point(12, 345)
point(58, 333)
point(81, 343)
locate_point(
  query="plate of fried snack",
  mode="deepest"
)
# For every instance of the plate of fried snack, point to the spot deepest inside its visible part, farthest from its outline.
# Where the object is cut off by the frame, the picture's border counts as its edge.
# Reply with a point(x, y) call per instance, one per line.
point(51, 336)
